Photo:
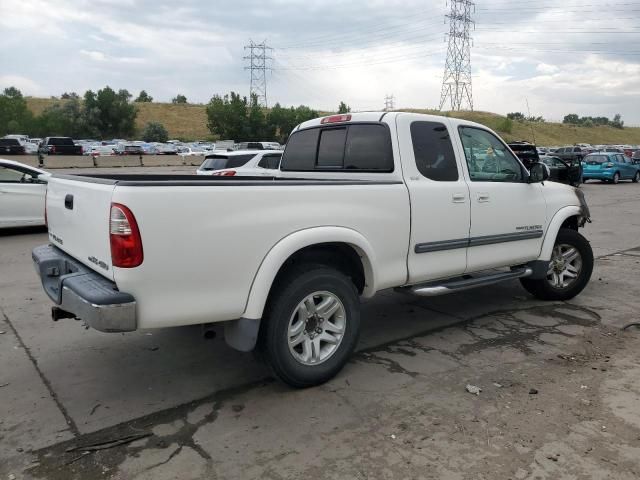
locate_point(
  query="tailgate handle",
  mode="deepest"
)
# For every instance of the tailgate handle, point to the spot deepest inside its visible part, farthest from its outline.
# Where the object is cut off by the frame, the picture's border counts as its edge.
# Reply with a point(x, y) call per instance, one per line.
point(68, 201)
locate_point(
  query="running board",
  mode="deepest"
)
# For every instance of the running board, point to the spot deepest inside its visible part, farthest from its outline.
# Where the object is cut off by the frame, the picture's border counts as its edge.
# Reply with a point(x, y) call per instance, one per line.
point(433, 289)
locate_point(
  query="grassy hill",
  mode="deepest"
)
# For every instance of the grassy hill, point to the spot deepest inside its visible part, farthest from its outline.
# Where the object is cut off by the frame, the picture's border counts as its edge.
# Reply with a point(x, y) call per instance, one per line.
point(189, 122)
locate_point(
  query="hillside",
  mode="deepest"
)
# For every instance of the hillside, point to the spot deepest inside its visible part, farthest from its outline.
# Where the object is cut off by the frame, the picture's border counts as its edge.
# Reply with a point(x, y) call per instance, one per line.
point(189, 122)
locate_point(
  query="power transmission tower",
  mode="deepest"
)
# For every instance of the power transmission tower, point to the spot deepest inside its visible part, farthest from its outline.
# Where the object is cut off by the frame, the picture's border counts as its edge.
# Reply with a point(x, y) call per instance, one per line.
point(389, 103)
point(258, 66)
point(456, 83)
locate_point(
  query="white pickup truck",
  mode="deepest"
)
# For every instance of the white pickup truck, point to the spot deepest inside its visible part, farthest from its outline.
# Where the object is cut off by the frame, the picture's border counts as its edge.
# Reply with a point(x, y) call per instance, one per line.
point(364, 202)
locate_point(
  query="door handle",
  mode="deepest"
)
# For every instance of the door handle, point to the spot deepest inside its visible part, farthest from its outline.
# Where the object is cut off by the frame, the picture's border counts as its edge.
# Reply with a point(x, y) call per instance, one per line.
point(483, 197)
point(459, 198)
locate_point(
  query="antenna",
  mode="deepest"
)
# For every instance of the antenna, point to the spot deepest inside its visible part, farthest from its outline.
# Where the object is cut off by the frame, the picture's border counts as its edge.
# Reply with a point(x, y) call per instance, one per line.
point(533, 133)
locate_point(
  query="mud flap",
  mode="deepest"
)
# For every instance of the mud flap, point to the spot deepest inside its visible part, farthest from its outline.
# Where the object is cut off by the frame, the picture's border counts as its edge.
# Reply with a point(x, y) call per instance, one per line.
point(242, 334)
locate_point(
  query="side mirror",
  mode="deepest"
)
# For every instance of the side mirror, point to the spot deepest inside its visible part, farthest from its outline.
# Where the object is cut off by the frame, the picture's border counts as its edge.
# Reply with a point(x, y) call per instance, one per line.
point(539, 173)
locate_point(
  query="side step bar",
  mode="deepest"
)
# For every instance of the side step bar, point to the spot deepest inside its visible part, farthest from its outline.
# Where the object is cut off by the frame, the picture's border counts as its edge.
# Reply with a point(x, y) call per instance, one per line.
point(433, 289)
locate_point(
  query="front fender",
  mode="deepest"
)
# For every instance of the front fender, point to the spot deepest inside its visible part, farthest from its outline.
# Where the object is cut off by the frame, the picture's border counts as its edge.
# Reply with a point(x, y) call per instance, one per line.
point(290, 244)
point(554, 227)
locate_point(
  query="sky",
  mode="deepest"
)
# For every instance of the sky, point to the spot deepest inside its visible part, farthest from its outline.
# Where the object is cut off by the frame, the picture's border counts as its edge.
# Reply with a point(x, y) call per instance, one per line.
point(558, 57)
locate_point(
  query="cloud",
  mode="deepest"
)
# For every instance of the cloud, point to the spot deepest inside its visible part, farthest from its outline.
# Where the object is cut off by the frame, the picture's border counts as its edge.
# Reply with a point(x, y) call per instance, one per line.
point(24, 84)
point(546, 68)
point(558, 55)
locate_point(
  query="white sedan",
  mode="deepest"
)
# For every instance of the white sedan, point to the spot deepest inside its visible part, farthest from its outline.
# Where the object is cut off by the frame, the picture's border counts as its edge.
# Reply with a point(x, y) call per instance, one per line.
point(22, 192)
point(242, 163)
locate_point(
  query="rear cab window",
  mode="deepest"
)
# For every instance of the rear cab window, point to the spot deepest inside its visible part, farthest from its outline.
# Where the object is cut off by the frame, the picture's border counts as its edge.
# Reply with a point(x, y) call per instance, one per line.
point(355, 147)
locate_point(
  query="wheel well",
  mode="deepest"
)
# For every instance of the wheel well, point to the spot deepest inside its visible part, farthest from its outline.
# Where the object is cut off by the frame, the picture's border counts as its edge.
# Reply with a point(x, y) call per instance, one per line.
point(341, 256)
point(571, 222)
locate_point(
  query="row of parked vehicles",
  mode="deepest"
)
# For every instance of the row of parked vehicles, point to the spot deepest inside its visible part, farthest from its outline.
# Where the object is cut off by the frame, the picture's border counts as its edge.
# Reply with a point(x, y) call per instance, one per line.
point(577, 164)
point(23, 145)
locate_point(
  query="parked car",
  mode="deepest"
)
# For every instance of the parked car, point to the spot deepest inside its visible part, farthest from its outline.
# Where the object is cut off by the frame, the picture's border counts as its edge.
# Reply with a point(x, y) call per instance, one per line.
point(526, 152)
point(59, 146)
point(12, 146)
point(227, 160)
point(166, 149)
point(610, 167)
point(570, 153)
point(258, 146)
point(264, 164)
point(191, 152)
point(364, 202)
point(569, 172)
point(22, 194)
point(128, 149)
point(101, 150)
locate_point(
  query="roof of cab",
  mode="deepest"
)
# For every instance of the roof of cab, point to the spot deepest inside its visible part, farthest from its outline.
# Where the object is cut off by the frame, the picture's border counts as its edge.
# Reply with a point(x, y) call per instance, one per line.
point(378, 117)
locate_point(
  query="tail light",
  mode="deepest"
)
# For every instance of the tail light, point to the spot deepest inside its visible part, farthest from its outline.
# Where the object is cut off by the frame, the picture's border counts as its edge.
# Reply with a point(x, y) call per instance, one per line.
point(124, 236)
point(228, 173)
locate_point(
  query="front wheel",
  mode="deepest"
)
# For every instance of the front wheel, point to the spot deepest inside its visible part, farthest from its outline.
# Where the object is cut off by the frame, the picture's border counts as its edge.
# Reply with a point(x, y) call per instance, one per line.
point(312, 325)
point(569, 271)
point(636, 178)
point(616, 178)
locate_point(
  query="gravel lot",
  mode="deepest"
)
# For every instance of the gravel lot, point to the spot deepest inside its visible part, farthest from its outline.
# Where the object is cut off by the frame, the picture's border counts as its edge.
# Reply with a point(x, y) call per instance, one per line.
point(560, 385)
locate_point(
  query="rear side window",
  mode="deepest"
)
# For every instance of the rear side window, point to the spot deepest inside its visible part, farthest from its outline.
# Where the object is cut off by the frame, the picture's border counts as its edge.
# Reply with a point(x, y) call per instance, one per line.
point(238, 160)
point(433, 151)
point(270, 161)
point(9, 142)
point(355, 147)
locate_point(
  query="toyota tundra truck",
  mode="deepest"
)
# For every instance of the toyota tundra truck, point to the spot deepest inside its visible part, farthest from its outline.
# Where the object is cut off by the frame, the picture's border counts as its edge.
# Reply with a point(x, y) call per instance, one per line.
point(363, 202)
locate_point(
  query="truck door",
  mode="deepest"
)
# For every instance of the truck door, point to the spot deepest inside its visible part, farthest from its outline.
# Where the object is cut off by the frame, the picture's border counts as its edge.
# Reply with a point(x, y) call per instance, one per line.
point(440, 208)
point(508, 214)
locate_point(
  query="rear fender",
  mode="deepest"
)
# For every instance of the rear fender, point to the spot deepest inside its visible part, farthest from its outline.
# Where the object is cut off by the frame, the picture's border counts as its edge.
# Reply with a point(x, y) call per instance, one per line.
point(289, 245)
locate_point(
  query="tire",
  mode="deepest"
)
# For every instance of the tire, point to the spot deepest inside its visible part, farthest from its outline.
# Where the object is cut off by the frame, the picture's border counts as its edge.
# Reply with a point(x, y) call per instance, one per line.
point(616, 178)
point(544, 289)
point(636, 178)
point(285, 312)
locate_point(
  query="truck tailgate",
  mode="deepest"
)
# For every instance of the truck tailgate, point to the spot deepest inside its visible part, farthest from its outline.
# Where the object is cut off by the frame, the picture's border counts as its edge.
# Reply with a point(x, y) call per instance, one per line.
point(78, 218)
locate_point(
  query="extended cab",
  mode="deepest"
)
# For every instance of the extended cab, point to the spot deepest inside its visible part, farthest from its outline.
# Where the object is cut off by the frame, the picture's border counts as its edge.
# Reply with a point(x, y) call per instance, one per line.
point(363, 202)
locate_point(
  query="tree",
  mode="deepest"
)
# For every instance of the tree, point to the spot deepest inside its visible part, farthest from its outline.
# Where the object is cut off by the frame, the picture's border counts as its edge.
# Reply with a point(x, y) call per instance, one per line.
point(179, 99)
point(63, 119)
point(155, 132)
point(227, 116)
point(517, 116)
point(109, 114)
point(344, 108)
point(69, 95)
point(617, 121)
point(571, 119)
point(257, 122)
point(281, 122)
point(15, 117)
point(144, 97)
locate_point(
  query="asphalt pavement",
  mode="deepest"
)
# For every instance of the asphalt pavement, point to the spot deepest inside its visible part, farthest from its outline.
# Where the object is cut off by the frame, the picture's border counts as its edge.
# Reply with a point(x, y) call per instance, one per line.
point(210, 412)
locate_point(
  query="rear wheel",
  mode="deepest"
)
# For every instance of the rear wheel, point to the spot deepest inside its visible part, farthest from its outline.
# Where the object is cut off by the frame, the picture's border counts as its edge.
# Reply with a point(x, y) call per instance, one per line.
point(312, 325)
point(569, 270)
point(636, 178)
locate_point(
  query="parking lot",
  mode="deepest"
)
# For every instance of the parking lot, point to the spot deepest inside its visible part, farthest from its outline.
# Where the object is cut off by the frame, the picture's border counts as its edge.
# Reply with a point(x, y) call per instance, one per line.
point(560, 384)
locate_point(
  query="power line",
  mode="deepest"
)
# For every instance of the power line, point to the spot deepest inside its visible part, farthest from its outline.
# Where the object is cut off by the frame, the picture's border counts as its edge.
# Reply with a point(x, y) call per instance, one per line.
point(456, 82)
point(258, 67)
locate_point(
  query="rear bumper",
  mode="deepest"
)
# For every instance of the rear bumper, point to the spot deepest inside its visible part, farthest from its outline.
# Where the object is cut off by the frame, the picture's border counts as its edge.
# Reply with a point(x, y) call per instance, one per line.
point(602, 175)
point(82, 293)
